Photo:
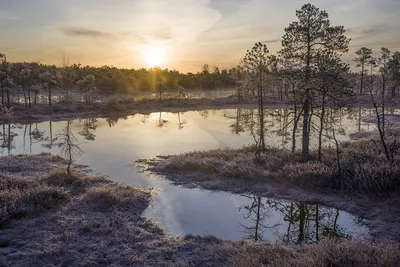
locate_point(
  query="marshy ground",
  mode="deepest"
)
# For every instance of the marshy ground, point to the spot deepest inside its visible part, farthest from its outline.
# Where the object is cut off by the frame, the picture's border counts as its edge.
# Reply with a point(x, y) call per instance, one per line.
point(365, 184)
point(50, 218)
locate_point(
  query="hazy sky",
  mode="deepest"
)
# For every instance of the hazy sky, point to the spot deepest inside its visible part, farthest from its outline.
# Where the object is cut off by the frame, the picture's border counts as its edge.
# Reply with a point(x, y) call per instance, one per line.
point(192, 32)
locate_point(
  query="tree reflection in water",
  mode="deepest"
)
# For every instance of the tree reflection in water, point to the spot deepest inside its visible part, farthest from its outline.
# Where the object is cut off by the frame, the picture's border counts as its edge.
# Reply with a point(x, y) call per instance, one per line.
point(89, 129)
point(300, 223)
point(69, 145)
point(181, 123)
point(49, 139)
point(8, 137)
point(161, 121)
point(281, 126)
point(256, 213)
point(112, 121)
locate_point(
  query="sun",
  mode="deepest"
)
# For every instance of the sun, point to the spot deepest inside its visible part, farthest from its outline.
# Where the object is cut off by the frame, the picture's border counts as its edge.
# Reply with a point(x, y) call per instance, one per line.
point(154, 55)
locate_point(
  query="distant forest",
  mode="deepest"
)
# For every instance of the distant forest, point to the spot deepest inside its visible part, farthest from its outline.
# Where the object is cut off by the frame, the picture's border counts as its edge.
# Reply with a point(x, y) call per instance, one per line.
point(114, 80)
point(307, 70)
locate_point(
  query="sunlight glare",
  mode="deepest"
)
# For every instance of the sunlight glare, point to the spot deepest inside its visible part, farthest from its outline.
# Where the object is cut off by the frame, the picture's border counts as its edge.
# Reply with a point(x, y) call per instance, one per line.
point(154, 55)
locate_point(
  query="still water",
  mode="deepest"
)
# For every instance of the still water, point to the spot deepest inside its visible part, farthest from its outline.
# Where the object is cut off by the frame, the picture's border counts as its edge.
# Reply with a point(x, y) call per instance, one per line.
point(110, 146)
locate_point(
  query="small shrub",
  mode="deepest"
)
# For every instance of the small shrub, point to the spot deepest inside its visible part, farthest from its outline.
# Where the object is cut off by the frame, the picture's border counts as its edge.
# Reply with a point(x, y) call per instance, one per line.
point(61, 179)
point(108, 197)
point(29, 201)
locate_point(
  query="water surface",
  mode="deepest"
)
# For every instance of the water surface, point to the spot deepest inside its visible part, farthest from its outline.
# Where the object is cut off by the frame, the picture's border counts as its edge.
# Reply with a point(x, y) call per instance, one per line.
point(110, 146)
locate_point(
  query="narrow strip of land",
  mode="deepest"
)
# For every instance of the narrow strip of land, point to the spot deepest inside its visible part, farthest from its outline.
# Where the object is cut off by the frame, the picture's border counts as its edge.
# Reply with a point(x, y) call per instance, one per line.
point(359, 180)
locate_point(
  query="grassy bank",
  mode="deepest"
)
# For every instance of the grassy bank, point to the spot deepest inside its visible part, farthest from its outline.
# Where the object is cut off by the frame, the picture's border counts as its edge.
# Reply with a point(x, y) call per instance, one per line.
point(363, 183)
point(53, 219)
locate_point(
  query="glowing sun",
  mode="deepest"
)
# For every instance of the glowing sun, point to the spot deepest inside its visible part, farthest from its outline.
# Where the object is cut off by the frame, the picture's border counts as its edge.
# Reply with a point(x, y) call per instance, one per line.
point(154, 55)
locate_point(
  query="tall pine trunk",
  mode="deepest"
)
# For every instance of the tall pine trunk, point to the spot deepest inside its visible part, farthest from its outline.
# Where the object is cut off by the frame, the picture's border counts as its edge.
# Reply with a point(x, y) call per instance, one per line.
point(321, 128)
point(306, 117)
point(362, 79)
point(49, 95)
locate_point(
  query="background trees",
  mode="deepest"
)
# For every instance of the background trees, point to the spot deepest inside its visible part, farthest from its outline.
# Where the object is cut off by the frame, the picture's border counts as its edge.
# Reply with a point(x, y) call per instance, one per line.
point(394, 72)
point(364, 56)
point(87, 85)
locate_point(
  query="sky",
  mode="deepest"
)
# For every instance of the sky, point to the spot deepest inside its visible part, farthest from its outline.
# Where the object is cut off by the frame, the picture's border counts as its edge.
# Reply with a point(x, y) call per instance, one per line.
point(185, 34)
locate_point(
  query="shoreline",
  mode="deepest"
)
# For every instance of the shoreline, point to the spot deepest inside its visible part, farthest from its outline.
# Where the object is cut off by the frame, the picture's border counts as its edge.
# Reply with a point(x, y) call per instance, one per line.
point(128, 107)
point(231, 172)
point(59, 112)
point(91, 220)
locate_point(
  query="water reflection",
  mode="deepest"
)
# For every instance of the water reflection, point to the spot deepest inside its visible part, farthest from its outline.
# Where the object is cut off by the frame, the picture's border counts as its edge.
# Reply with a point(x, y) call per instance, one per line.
point(111, 144)
point(89, 129)
point(280, 127)
point(8, 137)
point(69, 144)
point(181, 122)
point(161, 121)
point(300, 223)
point(256, 214)
point(49, 141)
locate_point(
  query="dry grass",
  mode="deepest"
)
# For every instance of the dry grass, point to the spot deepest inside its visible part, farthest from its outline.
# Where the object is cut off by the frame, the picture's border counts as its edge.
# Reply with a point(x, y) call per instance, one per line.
point(76, 220)
point(365, 185)
point(18, 199)
point(363, 167)
point(108, 197)
point(327, 253)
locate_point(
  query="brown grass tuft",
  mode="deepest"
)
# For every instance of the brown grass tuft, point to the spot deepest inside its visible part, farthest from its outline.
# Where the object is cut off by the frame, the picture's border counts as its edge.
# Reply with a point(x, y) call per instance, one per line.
point(106, 198)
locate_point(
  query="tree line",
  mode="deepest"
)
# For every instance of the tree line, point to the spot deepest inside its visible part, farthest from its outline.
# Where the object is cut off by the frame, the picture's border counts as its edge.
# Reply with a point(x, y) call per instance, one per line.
point(30, 78)
point(309, 73)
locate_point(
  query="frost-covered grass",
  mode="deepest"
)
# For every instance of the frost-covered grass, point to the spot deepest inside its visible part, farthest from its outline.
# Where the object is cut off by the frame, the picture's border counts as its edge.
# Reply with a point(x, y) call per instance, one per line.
point(364, 185)
point(79, 220)
point(363, 167)
point(326, 253)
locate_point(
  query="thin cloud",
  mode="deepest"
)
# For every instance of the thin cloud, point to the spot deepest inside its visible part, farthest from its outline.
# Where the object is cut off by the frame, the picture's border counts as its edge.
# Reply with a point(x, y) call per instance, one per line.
point(82, 32)
point(163, 34)
point(271, 41)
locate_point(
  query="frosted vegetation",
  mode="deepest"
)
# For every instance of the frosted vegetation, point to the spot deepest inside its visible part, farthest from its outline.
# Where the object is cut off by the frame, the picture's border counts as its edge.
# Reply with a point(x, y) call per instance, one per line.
point(50, 217)
point(53, 213)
